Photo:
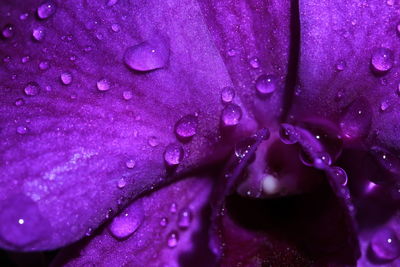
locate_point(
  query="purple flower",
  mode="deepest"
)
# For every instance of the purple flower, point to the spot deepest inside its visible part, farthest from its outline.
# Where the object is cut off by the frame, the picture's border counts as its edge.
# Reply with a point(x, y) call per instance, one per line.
point(199, 133)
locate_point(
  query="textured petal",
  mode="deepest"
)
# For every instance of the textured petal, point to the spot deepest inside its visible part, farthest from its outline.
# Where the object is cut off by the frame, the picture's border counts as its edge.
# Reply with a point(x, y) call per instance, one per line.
point(153, 244)
point(84, 123)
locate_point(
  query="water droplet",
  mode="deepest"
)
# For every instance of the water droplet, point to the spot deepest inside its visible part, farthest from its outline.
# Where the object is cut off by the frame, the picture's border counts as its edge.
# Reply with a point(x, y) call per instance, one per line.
point(66, 78)
point(173, 208)
point(384, 105)
point(385, 244)
point(103, 85)
point(186, 127)
point(356, 120)
point(254, 62)
point(339, 175)
point(127, 95)
point(19, 102)
point(44, 65)
point(232, 52)
point(38, 33)
point(173, 154)
point(231, 115)
point(22, 130)
point(8, 31)
point(341, 65)
point(23, 16)
point(266, 84)
point(288, 134)
point(25, 59)
point(319, 160)
point(147, 56)
point(382, 59)
point(227, 94)
point(242, 147)
point(121, 183)
point(31, 89)
point(46, 9)
point(130, 164)
point(128, 222)
point(386, 159)
point(152, 141)
point(115, 28)
point(172, 239)
point(22, 224)
point(164, 222)
point(185, 219)
point(89, 231)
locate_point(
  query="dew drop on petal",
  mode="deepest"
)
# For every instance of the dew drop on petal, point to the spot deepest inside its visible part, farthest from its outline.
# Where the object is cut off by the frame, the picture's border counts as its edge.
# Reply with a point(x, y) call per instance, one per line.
point(339, 175)
point(8, 31)
point(356, 120)
point(128, 222)
point(382, 59)
point(127, 95)
point(46, 9)
point(19, 102)
point(23, 16)
point(147, 56)
point(66, 78)
point(384, 105)
point(115, 28)
point(385, 244)
point(173, 154)
point(22, 130)
point(173, 208)
point(341, 65)
point(231, 115)
point(153, 141)
point(243, 146)
point(227, 94)
point(22, 224)
point(130, 164)
point(25, 59)
point(288, 134)
point(172, 239)
point(44, 65)
point(164, 221)
point(38, 33)
point(266, 84)
point(121, 183)
point(185, 219)
point(103, 85)
point(31, 89)
point(186, 127)
point(254, 62)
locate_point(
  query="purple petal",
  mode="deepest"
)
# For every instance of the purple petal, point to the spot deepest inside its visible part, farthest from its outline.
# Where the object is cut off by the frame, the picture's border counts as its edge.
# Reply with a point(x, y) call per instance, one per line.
point(83, 124)
point(170, 231)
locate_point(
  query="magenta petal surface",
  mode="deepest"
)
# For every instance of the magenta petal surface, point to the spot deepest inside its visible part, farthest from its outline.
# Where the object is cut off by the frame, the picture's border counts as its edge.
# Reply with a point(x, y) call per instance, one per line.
point(84, 123)
point(173, 230)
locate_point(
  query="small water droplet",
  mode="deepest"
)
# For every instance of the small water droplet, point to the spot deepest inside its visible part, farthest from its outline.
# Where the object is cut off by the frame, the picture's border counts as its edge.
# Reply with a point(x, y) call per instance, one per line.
point(103, 85)
point(153, 141)
point(341, 65)
point(147, 56)
point(172, 239)
point(164, 221)
point(186, 127)
point(231, 115)
point(356, 120)
point(266, 84)
point(173, 154)
point(109, 213)
point(19, 102)
point(384, 105)
point(227, 94)
point(89, 231)
point(66, 78)
point(23, 16)
point(44, 65)
point(46, 9)
point(254, 62)
point(288, 134)
point(128, 222)
point(31, 89)
point(8, 31)
point(115, 28)
point(339, 175)
point(185, 219)
point(127, 95)
point(130, 164)
point(232, 52)
point(22, 130)
point(121, 183)
point(382, 59)
point(173, 208)
point(385, 244)
point(38, 34)
point(25, 59)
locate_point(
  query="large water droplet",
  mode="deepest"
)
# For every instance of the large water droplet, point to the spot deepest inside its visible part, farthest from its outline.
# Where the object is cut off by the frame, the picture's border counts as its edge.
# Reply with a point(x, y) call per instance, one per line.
point(173, 154)
point(22, 224)
point(146, 56)
point(288, 134)
point(8, 31)
point(385, 244)
point(172, 239)
point(128, 222)
point(266, 84)
point(356, 120)
point(339, 175)
point(32, 89)
point(186, 127)
point(46, 9)
point(382, 59)
point(227, 94)
point(103, 85)
point(185, 219)
point(386, 159)
point(231, 115)
point(66, 78)
point(38, 33)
